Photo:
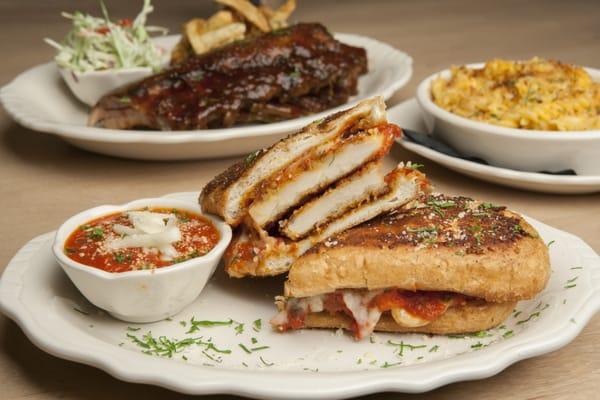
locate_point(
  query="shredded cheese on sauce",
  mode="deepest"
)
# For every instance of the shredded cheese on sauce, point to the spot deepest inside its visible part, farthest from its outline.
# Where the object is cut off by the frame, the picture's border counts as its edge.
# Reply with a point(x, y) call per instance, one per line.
point(151, 230)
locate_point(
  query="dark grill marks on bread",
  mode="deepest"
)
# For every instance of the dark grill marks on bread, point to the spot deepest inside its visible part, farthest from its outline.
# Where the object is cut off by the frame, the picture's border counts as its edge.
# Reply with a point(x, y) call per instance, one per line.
point(438, 220)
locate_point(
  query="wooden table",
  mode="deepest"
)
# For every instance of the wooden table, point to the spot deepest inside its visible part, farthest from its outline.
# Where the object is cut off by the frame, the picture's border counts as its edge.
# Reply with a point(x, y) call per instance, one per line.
point(43, 180)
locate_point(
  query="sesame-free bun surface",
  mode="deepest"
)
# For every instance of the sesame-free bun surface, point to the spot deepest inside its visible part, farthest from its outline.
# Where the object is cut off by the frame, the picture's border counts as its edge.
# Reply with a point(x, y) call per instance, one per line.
point(436, 243)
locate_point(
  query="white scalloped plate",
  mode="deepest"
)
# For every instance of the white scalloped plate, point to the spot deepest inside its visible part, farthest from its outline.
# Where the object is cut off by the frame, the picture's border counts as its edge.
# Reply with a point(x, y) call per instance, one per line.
point(39, 100)
point(409, 115)
point(36, 294)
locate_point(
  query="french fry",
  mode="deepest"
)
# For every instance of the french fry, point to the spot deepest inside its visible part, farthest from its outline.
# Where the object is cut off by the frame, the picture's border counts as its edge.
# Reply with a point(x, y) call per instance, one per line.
point(249, 12)
point(220, 19)
point(217, 38)
point(203, 35)
point(279, 17)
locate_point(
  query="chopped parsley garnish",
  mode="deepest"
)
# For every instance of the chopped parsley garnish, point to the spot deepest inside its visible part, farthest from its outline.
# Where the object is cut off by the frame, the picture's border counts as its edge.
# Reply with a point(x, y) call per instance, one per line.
point(487, 205)
point(427, 229)
point(120, 258)
point(132, 329)
point(401, 346)
point(576, 268)
point(165, 347)
point(478, 346)
point(550, 243)
point(96, 233)
point(247, 350)
point(266, 363)
point(533, 315)
point(415, 166)
point(251, 157)
point(434, 348)
point(259, 348)
point(257, 325)
point(481, 334)
point(570, 283)
point(388, 365)
point(217, 360)
point(196, 325)
point(239, 328)
point(517, 228)
point(507, 334)
point(125, 99)
point(441, 203)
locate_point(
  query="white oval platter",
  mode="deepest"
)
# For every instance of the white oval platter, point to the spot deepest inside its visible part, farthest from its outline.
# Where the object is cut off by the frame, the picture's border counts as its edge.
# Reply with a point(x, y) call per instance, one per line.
point(36, 294)
point(39, 100)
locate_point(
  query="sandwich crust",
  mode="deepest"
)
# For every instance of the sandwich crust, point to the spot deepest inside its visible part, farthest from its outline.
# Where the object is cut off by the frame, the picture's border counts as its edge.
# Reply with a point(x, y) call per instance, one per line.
point(435, 243)
point(474, 316)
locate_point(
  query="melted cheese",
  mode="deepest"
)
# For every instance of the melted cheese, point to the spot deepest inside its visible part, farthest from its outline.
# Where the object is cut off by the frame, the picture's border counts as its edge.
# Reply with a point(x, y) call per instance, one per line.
point(150, 230)
point(305, 305)
point(366, 317)
point(406, 319)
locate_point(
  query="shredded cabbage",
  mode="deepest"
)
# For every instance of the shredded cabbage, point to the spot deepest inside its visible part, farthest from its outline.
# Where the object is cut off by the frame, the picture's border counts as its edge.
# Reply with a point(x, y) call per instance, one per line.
point(95, 44)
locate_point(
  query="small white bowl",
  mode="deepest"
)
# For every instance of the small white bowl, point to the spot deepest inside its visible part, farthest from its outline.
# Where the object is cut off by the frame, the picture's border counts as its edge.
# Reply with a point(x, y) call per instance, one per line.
point(142, 295)
point(89, 87)
point(519, 149)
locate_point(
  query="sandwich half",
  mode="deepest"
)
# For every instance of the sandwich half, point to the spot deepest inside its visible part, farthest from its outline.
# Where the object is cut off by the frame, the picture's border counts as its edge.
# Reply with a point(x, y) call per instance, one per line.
point(255, 252)
point(440, 265)
point(230, 193)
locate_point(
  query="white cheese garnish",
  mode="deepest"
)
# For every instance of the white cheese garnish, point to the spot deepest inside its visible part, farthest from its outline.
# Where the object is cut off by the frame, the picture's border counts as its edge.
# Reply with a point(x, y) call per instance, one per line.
point(150, 230)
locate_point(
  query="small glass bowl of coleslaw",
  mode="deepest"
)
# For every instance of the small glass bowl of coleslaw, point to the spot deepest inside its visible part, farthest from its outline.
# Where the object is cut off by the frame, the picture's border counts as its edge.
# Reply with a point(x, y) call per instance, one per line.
point(99, 55)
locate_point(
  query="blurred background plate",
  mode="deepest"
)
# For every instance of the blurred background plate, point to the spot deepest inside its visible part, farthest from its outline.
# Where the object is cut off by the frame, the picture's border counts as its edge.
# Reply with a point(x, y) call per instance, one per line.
point(38, 99)
point(409, 115)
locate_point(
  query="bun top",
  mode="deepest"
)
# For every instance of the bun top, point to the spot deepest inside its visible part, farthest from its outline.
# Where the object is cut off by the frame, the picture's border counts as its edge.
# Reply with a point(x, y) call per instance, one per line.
point(436, 242)
point(437, 220)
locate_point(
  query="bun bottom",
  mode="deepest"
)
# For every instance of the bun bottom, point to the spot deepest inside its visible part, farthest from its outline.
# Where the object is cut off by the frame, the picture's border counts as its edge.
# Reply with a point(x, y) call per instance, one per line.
point(474, 316)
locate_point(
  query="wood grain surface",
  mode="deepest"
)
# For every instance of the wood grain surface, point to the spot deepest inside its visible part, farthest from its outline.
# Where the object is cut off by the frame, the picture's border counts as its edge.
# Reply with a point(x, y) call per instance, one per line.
point(44, 180)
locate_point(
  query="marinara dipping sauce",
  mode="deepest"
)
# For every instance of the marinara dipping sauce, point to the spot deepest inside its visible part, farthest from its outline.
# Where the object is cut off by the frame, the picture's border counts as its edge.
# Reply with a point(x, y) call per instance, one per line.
point(141, 239)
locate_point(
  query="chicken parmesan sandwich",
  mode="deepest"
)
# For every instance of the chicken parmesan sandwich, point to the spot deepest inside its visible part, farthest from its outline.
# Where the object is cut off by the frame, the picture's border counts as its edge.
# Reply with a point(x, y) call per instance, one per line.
point(324, 179)
point(439, 265)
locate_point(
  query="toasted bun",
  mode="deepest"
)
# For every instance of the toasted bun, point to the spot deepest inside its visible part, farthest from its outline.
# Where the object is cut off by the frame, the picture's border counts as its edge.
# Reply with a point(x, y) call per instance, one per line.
point(477, 249)
point(474, 316)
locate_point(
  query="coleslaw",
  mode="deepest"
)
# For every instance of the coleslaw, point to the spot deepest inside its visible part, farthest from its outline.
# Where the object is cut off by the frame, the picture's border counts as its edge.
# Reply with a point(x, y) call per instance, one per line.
point(95, 44)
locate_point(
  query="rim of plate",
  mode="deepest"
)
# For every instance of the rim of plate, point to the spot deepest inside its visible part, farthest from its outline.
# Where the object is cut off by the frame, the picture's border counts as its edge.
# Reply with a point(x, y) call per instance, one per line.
point(10, 99)
point(490, 170)
point(424, 99)
point(291, 384)
point(533, 177)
